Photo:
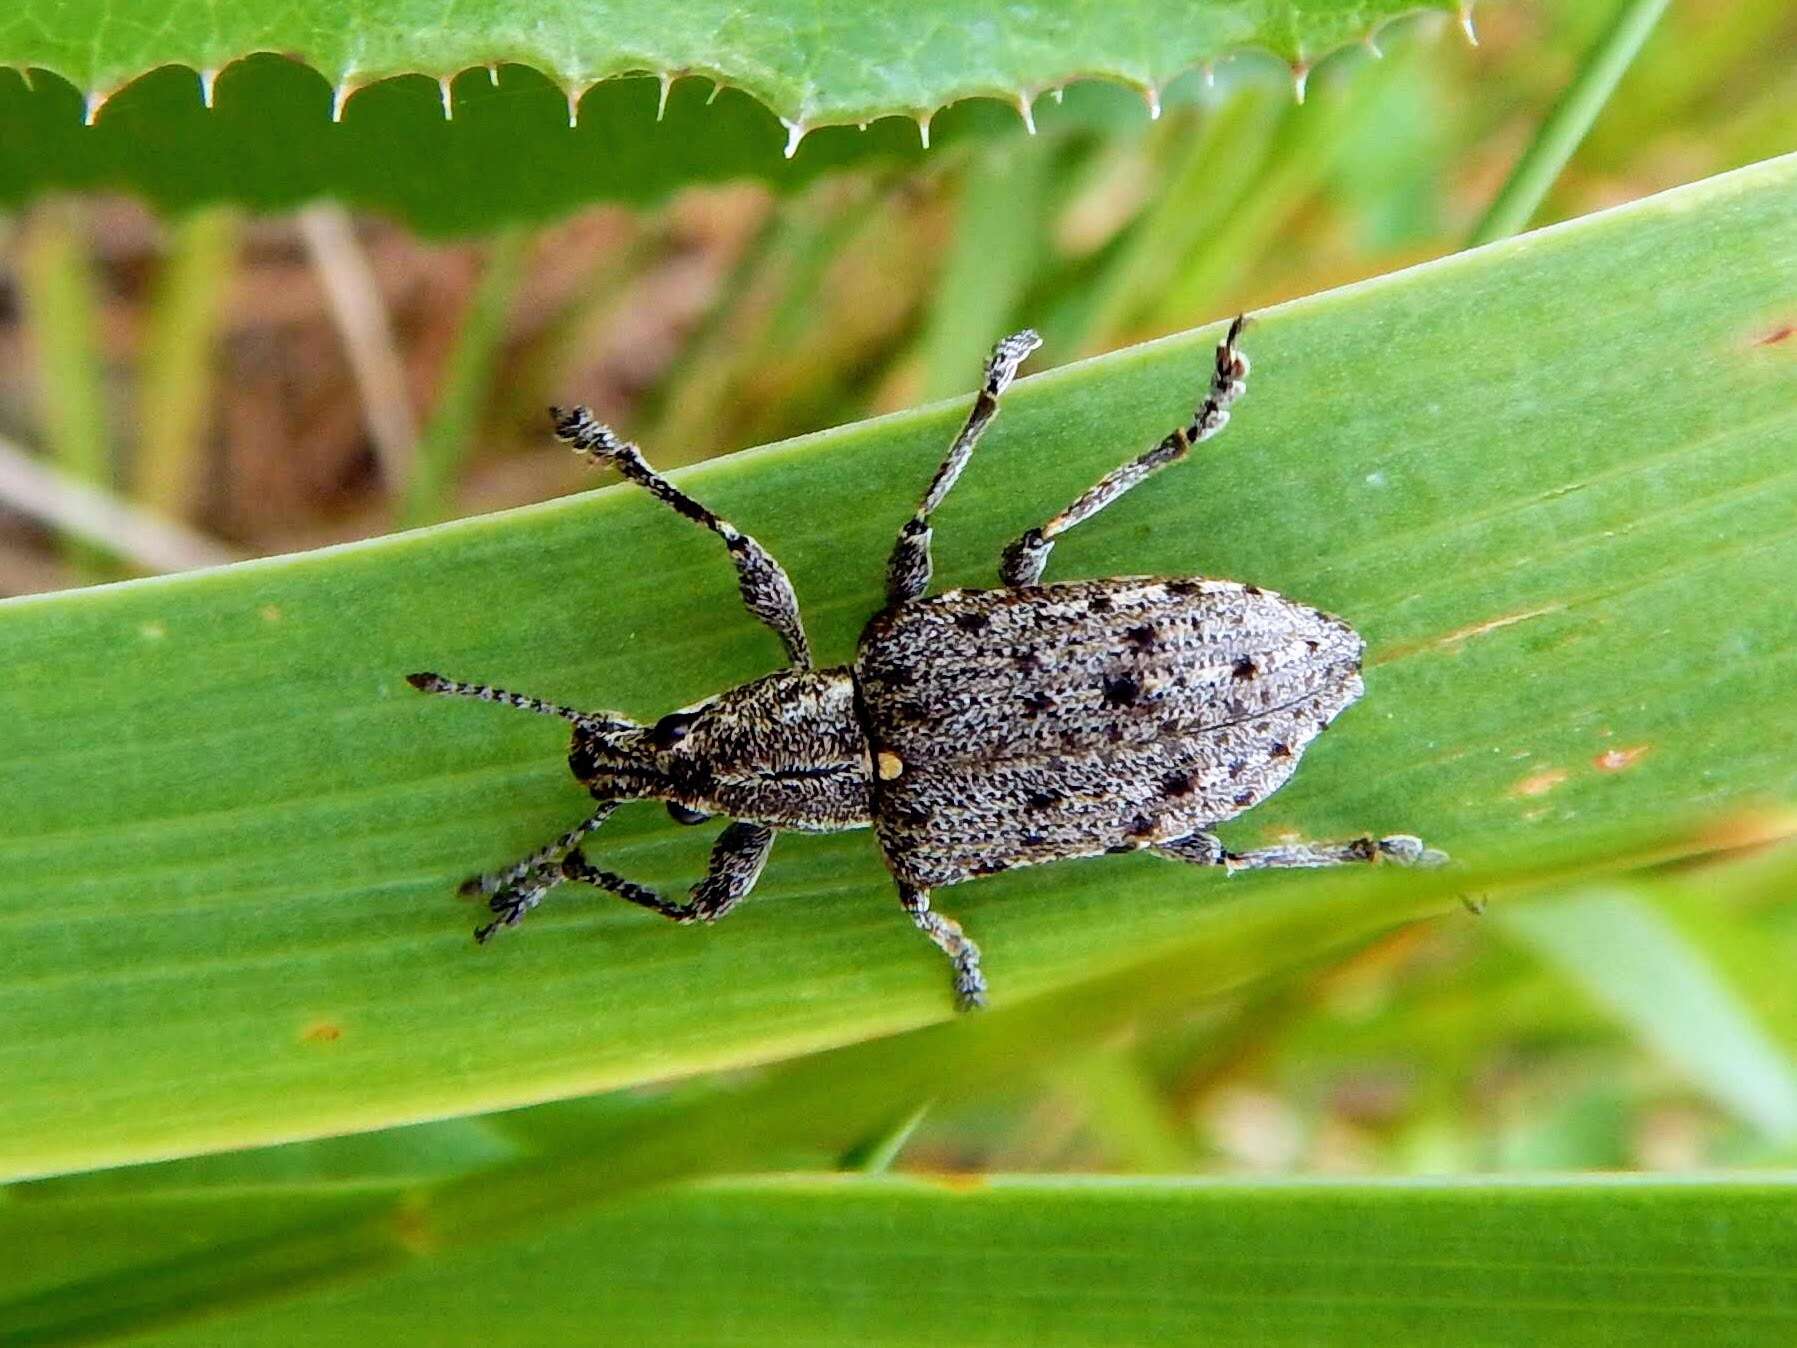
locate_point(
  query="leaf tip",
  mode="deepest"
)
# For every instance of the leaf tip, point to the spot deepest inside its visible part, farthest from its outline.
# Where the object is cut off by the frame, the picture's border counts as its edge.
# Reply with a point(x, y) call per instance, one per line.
point(576, 90)
point(1026, 110)
point(795, 133)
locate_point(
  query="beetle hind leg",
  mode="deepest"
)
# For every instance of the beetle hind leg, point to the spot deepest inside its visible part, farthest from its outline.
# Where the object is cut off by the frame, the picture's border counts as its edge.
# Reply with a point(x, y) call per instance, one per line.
point(1024, 560)
point(963, 954)
point(1206, 849)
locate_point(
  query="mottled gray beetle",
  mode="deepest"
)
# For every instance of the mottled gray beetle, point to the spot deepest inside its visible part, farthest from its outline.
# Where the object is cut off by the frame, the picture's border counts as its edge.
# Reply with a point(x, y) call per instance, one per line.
point(976, 730)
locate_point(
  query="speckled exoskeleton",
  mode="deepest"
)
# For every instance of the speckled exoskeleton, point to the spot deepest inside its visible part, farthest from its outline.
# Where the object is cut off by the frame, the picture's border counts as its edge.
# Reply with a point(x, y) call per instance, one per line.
point(975, 730)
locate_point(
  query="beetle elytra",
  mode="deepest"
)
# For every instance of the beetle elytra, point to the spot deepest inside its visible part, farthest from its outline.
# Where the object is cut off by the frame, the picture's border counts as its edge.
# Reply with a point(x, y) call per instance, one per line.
point(975, 730)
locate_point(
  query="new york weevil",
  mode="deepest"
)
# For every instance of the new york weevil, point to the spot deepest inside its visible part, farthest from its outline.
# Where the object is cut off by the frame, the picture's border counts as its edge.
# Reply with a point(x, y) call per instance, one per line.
point(975, 730)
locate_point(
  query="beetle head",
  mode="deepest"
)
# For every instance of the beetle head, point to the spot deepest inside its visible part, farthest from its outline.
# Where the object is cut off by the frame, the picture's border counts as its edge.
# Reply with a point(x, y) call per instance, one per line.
point(782, 749)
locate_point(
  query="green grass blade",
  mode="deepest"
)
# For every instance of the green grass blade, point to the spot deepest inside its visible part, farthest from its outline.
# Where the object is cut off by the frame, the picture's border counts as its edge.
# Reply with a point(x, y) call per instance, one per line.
point(63, 307)
point(175, 393)
point(999, 244)
point(1617, 948)
point(1574, 1260)
point(238, 829)
point(1559, 137)
point(448, 438)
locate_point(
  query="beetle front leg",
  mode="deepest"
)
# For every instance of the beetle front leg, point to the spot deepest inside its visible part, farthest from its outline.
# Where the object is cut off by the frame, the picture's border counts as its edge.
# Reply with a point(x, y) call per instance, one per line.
point(543, 861)
point(1206, 849)
point(1023, 560)
point(736, 861)
point(766, 590)
point(970, 983)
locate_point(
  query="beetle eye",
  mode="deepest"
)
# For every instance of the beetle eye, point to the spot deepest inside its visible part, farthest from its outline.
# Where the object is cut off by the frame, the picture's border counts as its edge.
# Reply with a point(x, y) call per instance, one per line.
point(680, 814)
point(672, 728)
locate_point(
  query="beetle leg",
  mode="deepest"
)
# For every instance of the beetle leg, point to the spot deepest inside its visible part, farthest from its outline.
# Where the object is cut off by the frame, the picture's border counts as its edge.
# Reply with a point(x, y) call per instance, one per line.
point(491, 882)
point(908, 571)
point(970, 983)
point(736, 861)
point(766, 590)
point(1205, 849)
point(1023, 560)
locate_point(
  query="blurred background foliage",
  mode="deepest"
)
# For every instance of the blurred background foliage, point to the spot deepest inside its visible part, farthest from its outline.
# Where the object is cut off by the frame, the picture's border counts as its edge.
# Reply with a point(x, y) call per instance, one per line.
point(243, 386)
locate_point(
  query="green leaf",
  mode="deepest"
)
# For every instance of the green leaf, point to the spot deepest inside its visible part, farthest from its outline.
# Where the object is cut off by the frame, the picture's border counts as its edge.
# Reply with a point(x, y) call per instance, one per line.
point(270, 138)
point(1583, 1260)
point(1549, 480)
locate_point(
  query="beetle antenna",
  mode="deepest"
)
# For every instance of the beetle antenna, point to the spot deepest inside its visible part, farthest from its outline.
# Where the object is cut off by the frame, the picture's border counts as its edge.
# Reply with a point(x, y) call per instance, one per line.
point(436, 683)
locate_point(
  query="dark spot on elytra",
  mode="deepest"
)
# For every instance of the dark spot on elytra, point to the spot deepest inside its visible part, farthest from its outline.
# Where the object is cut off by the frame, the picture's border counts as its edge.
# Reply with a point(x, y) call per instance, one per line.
point(1043, 800)
point(1099, 603)
point(910, 709)
point(1037, 703)
point(1254, 590)
point(1179, 784)
point(1140, 827)
point(1245, 668)
point(1236, 769)
point(1312, 645)
point(1182, 587)
point(1142, 637)
point(972, 622)
point(1244, 799)
point(1121, 690)
point(1279, 749)
point(908, 813)
point(1034, 840)
point(1027, 662)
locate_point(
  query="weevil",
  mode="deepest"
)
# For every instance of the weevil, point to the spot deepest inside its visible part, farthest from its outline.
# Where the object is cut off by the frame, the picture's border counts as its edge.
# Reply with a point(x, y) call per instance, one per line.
point(975, 730)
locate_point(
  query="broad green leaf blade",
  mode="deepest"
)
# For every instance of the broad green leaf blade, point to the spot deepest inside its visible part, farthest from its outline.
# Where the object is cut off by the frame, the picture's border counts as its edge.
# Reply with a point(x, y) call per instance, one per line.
point(185, 109)
point(239, 830)
point(1594, 1260)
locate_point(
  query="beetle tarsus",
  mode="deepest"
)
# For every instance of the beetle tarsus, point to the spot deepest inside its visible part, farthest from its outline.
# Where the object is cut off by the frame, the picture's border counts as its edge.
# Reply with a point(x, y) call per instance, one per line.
point(1205, 849)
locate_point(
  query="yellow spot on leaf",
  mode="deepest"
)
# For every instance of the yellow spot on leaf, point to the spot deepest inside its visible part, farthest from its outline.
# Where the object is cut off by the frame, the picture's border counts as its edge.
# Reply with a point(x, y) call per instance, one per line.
point(1615, 760)
point(1539, 783)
